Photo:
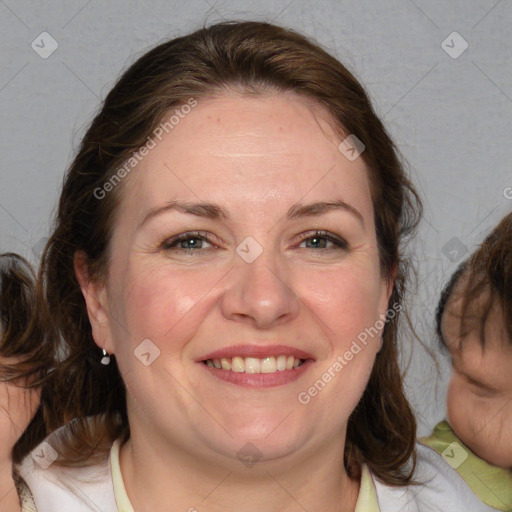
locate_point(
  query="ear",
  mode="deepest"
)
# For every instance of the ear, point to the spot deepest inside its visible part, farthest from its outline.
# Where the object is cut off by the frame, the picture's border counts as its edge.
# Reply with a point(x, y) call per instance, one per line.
point(96, 300)
point(389, 283)
point(391, 280)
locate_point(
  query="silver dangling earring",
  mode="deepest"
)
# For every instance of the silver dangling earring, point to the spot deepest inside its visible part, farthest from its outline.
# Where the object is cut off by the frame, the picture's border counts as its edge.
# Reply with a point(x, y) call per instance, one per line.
point(105, 360)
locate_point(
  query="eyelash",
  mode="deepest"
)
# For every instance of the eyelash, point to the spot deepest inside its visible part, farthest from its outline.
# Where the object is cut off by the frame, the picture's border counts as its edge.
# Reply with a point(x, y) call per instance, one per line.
point(480, 390)
point(170, 243)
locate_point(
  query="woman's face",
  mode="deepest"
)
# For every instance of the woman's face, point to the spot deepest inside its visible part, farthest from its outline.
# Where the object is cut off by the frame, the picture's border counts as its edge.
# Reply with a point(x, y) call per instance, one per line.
point(244, 182)
point(480, 391)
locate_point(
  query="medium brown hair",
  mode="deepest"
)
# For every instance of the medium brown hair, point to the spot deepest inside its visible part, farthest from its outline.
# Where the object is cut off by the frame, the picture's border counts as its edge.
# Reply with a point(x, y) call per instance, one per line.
point(17, 283)
point(252, 58)
point(487, 278)
point(27, 359)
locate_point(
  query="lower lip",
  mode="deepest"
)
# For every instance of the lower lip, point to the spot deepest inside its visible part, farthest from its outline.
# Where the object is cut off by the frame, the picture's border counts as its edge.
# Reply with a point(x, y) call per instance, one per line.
point(259, 380)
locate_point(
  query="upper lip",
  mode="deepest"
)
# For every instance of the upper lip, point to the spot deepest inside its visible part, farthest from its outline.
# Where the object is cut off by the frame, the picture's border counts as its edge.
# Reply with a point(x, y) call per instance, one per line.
point(257, 351)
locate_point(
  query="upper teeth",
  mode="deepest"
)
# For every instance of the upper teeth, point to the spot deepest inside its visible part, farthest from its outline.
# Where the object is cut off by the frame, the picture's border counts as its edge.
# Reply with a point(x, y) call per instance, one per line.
point(269, 364)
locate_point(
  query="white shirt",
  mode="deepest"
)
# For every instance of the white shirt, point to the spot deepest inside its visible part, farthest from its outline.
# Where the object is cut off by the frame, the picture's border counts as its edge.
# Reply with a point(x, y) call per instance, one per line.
point(100, 488)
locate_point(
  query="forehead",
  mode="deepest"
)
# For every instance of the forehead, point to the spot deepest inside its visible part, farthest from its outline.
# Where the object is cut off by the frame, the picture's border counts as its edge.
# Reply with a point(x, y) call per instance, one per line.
point(254, 150)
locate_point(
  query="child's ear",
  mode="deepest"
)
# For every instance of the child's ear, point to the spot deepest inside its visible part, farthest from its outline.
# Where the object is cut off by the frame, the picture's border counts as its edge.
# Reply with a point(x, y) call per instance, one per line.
point(96, 299)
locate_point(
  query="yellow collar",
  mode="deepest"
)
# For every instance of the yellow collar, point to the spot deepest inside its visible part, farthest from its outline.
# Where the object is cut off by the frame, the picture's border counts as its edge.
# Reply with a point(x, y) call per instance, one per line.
point(367, 499)
point(122, 500)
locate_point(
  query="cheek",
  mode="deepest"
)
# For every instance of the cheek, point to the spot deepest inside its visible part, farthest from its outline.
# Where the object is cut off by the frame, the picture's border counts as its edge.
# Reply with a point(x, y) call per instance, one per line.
point(460, 409)
point(348, 303)
point(492, 438)
point(166, 306)
point(495, 439)
point(155, 301)
point(482, 424)
point(176, 308)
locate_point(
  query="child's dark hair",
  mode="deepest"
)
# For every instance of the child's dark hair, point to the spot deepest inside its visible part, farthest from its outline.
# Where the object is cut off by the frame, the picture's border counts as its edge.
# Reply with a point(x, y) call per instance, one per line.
point(26, 360)
point(489, 277)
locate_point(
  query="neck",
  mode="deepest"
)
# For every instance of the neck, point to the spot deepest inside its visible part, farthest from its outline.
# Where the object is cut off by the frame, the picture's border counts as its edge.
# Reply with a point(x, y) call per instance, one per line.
point(156, 473)
point(9, 501)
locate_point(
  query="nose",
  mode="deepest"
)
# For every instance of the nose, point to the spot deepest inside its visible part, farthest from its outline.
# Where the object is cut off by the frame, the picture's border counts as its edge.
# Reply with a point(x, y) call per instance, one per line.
point(259, 294)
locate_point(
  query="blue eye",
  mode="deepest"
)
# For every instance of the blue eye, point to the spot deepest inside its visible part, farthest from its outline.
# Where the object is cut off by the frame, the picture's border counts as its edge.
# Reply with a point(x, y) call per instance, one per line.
point(319, 240)
point(194, 241)
point(188, 242)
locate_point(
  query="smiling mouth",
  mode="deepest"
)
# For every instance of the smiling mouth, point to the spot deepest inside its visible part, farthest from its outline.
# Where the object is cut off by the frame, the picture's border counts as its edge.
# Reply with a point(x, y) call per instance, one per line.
point(271, 364)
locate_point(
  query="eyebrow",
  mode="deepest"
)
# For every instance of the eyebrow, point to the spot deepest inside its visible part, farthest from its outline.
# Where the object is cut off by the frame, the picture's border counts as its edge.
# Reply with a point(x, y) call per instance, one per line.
point(215, 212)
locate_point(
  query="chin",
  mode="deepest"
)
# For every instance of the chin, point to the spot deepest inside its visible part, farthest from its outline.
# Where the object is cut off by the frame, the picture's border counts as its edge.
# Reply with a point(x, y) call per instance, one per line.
point(261, 441)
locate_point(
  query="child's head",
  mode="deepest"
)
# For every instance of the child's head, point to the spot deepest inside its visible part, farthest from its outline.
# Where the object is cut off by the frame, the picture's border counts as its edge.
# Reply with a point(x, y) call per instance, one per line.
point(22, 358)
point(474, 322)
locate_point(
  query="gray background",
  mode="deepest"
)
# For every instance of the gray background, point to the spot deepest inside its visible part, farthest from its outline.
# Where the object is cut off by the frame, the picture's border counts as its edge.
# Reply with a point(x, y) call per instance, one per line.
point(449, 116)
